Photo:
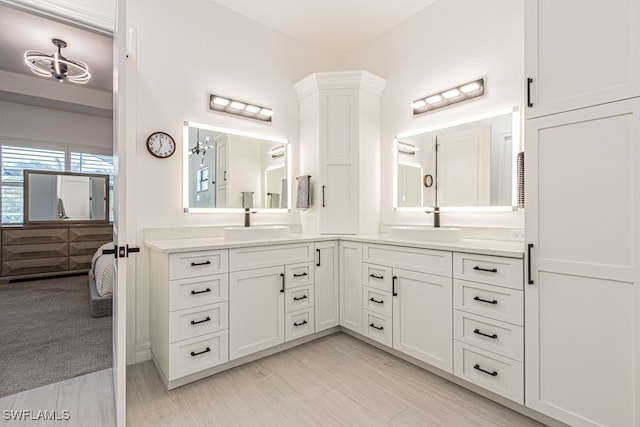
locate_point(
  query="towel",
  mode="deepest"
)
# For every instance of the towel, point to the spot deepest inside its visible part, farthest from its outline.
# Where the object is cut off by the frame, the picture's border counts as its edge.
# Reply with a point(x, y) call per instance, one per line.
point(247, 199)
point(62, 213)
point(303, 196)
point(274, 200)
point(285, 195)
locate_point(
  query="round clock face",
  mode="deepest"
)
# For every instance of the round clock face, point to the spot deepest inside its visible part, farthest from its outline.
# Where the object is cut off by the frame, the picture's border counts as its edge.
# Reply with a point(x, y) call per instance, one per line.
point(161, 144)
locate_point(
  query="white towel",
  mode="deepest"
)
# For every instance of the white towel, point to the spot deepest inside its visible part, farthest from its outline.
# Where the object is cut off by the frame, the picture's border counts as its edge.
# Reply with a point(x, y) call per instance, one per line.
point(303, 196)
point(285, 195)
point(274, 200)
point(247, 199)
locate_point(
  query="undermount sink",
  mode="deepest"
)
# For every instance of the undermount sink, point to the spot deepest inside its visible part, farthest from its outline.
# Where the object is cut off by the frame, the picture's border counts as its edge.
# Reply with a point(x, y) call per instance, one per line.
point(426, 234)
point(259, 232)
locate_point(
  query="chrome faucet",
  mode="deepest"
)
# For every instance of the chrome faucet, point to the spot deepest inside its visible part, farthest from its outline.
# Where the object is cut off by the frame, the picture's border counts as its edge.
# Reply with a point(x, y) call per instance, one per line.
point(436, 216)
point(247, 217)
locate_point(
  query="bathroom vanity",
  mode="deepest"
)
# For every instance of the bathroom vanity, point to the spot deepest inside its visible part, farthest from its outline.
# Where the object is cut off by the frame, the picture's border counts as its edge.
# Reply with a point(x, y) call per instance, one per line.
point(452, 307)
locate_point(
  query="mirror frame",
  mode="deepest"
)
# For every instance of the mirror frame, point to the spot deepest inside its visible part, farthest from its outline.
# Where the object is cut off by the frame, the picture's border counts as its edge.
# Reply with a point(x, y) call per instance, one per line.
point(185, 168)
point(515, 141)
point(25, 210)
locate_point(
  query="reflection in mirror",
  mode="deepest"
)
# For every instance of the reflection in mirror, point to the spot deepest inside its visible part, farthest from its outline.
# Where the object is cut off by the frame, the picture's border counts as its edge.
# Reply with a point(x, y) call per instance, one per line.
point(65, 196)
point(469, 165)
point(232, 169)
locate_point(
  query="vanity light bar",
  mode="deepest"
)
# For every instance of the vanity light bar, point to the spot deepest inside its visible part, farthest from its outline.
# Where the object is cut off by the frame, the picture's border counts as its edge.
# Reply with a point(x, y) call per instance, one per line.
point(239, 108)
point(406, 148)
point(447, 97)
point(278, 151)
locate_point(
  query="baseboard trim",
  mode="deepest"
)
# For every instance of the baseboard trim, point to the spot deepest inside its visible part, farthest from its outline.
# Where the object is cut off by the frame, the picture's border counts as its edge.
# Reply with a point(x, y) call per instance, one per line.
point(143, 352)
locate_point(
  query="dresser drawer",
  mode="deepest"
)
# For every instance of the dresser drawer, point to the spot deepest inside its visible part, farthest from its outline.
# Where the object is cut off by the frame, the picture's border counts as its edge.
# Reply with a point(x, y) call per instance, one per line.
point(495, 373)
point(93, 234)
point(35, 266)
point(298, 324)
point(491, 301)
point(195, 264)
point(377, 327)
point(193, 322)
point(80, 262)
point(299, 274)
point(25, 236)
point(187, 293)
point(85, 248)
point(377, 276)
point(299, 298)
point(493, 270)
point(196, 354)
point(43, 250)
point(422, 260)
point(268, 256)
point(377, 301)
point(495, 336)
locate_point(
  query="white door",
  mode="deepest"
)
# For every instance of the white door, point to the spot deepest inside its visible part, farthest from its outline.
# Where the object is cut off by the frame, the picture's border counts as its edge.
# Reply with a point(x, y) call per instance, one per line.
point(351, 286)
point(581, 303)
point(464, 167)
point(327, 292)
point(580, 53)
point(423, 317)
point(75, 193)
point(256, 310)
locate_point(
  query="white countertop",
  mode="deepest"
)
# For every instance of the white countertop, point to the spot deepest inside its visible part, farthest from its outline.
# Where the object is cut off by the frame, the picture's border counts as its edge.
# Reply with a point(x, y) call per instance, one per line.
point(485, 247)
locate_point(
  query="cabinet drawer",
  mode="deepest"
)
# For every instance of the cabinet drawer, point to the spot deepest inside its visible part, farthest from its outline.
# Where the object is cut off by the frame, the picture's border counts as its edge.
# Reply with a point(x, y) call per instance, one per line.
point(96, 234)
point(35, 266)
point(195, 264)
point(299, 274)
point(45, 250)
point(197, 354)
point(423, 260)
point(298, 324)
point(493, 270)
point(299, 298)
point(377, 276)
point(34, 236)
point(267, 256)
point(377, 301)
point(187, 293)
point(194, 322)
point(81, 262)
point(377, 327)
point(495, 373)
point(85, 248)
point(498, 337)
point(492, 301)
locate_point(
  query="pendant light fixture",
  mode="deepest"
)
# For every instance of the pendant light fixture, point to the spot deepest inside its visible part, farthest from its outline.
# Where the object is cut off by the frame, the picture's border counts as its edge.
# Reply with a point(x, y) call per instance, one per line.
point(57, 66)
point(200, 148)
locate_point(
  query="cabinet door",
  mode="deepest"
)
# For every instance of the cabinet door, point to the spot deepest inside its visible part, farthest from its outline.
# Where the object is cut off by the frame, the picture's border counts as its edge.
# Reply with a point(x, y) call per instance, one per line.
point(351, 286)
point(256, 310)
point(327, 290)
point(422, 317)
point(582, 219)
point(581, 53)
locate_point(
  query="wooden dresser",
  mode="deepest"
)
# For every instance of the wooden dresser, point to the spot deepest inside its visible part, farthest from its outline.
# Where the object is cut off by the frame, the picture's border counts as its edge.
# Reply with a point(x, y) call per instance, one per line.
point(36, 251)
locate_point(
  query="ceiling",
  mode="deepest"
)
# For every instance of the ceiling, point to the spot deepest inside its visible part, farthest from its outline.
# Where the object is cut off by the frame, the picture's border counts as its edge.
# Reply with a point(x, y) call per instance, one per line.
point(20, 31)
point(337, 26)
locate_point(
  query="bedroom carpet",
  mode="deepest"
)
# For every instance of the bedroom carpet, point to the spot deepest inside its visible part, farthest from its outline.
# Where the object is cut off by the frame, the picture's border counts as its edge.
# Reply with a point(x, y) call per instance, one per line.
point(47, 335)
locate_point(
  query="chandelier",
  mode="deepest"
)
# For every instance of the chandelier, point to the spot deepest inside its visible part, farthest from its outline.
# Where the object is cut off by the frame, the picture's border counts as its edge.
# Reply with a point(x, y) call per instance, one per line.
point(56, 65)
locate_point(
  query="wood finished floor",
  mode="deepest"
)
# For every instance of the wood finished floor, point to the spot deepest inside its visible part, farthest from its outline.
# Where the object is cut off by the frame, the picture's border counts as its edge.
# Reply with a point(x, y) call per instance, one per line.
point(336, 380)
point(88, 398)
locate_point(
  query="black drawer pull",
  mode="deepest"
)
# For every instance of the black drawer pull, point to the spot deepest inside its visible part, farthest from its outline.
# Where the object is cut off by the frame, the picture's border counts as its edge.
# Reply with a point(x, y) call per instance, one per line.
point(206, 350)
point(376, 277)
point(376, 301)
point(493, 374)
point(393, 286)
point(208, 319)
point(376, 327)
point(300, 275)
point(300, 298)
point(529, 279)
point(200, 292)
point(489, 270)
point(304, 322)
point(492, 336)
point(282, 277)
point(195, 264)
point(529, 103)
point(318, 264)
point(495, 301)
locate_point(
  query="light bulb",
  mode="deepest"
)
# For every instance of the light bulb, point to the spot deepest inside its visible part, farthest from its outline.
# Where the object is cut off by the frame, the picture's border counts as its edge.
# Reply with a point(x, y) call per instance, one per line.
point(451, 93)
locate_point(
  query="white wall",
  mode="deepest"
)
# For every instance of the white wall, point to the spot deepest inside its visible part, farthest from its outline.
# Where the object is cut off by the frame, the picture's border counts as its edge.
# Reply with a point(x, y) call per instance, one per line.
point(182, 51)
point(449, 43)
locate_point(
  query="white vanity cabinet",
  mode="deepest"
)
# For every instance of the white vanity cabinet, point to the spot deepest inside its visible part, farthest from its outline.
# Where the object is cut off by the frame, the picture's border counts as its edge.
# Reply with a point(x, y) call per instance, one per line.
point(351, 285)
point(580, 53)
point(488, 330)
point(189, 312)
point(270, 292)
point(327, 285)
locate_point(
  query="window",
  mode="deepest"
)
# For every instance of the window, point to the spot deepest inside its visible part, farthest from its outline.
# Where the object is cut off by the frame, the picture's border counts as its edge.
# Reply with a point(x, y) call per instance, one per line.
point(202, 179)
point(15, 159)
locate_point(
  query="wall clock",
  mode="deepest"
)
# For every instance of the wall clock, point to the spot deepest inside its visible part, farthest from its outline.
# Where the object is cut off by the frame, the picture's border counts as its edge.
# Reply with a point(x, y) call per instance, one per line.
point(161, 145)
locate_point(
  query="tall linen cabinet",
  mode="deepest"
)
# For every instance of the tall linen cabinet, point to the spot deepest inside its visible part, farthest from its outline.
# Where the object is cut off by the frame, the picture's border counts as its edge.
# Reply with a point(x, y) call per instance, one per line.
point(340, 149)
point(582, 297)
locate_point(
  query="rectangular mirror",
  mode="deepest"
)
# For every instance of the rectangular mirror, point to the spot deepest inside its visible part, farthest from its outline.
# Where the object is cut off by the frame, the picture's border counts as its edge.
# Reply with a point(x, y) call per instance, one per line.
point(467, 165)
point(53, 197)
point(228, 169)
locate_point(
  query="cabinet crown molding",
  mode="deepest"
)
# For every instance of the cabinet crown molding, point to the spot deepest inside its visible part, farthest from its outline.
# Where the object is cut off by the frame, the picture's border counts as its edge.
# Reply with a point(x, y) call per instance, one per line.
point(358, 79)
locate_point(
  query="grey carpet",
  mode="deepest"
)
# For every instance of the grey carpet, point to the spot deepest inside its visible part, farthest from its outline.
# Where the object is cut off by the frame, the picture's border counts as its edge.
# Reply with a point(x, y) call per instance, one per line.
point(47, 335)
